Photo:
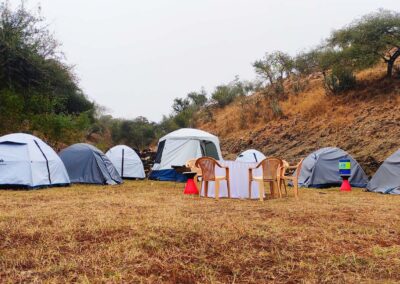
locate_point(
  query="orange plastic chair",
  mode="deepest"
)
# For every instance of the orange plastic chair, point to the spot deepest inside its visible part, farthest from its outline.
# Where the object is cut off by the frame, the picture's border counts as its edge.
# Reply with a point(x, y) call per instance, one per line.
point(286, 168)
point(271, 168)
point(207, 166)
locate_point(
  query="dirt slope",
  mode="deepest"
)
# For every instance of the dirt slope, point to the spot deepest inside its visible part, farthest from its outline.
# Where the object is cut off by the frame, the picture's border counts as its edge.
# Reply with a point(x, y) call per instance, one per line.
point(365, 122)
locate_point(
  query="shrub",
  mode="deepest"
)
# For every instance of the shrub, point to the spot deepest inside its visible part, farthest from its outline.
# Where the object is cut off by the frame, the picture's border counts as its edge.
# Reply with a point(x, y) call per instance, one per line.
point(339, 79)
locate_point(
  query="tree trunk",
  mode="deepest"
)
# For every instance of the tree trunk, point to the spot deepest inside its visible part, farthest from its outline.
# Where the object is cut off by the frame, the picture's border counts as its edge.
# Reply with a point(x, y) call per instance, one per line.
point(390, 63)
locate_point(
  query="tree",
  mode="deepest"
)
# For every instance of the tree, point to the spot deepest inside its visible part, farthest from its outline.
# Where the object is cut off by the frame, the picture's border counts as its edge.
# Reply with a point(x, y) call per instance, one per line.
point(372, 38)
point(198, 99)
point(274, 67)
point(307, 62)
point(225, 94)
point(137, 133)
point(33, 77)
point(180, 104)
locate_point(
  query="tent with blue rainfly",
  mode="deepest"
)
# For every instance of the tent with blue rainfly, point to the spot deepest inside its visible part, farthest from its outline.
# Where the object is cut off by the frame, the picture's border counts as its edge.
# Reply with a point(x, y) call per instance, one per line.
point(87, 164)
point(28, 162)
point(176, 148)
point(251, 156)
point(387, 178)
point(321, 169)
point(127, 162)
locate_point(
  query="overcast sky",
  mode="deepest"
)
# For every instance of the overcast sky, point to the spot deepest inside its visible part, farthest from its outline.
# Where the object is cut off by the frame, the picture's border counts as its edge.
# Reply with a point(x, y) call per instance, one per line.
point(134, 57)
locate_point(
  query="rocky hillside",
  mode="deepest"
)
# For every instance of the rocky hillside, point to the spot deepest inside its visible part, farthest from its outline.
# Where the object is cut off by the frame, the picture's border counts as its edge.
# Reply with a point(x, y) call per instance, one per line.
point(365, 121)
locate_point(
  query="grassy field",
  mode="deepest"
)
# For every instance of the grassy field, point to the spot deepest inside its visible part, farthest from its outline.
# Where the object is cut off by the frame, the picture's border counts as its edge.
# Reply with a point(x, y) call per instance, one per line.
point(151, 232)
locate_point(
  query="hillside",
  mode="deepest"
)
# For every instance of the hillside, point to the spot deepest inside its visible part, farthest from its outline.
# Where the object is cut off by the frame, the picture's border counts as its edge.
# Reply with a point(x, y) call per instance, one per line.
point(365, 121)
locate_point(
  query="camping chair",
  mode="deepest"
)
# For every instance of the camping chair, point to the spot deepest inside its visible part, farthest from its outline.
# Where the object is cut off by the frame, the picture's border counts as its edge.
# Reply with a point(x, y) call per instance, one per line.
point(271, 167)
point(207, 166)
point(294, 177)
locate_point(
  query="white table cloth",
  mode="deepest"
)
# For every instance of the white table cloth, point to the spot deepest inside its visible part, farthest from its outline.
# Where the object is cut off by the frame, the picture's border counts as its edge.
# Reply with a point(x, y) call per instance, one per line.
point(239, 180)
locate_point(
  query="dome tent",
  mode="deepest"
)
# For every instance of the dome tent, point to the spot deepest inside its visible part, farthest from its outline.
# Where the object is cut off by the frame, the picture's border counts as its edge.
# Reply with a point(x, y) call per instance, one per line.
point(321, 169)
point(126, 161)
point(387, 178)
point(251, 156)
point(87, 164)
point(176, 148)
point(27, 162)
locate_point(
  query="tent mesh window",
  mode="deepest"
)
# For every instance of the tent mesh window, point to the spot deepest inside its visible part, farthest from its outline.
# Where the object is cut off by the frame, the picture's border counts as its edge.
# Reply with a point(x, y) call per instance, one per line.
point(208, 149)
point(160, 150)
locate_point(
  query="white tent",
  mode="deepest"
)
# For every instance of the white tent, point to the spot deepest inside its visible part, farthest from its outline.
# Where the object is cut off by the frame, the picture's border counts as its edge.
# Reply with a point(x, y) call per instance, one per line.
point(26, 161)
point(251, 156)
point(126, 161)
point(176, 148)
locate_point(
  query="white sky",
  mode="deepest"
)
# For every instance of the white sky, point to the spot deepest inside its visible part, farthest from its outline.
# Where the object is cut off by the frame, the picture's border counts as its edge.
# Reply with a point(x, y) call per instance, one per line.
point(134, 57)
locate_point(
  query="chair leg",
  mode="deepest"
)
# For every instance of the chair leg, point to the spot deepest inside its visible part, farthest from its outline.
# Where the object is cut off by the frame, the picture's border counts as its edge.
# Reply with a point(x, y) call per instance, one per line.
point(278, 185)
point(284, 185)
point(296, 188)
point(229, 188)
point(205, 188)
point(261, 190)
point(250, 188)
point(217, 189)
point(272, 189)
point(199, 187)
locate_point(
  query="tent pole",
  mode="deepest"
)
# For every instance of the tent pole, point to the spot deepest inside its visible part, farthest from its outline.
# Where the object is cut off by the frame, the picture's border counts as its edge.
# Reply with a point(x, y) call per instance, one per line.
point(47, 161)
point(122, 163)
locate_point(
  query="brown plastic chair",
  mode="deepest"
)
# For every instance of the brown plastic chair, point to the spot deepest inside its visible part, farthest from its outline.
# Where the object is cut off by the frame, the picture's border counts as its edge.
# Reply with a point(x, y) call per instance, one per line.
point(286, 168)
point(271, 167)
point(207, 166)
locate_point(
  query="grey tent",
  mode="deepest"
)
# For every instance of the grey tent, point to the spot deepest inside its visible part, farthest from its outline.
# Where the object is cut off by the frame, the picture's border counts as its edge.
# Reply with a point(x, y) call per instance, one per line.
point(87, 164)
point(387, 178)
point(321, 169)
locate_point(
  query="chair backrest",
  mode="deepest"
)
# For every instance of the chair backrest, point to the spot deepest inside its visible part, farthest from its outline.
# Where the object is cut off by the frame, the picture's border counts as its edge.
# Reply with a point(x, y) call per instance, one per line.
point(298, 168)
point(207, 166)
point(192, 165)
point(283, 169)
point(271, 166)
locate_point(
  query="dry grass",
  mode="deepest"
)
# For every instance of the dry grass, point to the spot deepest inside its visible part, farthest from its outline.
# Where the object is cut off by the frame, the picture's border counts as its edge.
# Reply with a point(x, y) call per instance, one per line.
point(143, 232)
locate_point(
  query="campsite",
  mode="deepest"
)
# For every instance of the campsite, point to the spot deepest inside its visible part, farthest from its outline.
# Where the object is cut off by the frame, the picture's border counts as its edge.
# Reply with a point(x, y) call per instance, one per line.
point(114, 168)
point(138, 232)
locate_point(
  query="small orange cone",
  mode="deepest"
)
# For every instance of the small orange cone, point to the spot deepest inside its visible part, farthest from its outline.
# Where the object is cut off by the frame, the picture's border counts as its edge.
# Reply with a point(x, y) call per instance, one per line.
point(345, 185)
point(191, 187)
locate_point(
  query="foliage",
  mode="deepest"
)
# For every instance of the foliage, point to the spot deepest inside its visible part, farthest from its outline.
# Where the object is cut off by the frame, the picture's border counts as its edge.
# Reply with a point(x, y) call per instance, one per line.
point(306, 63)
point(339, 79)
point(38, 92)
point(137, 133)
point(226, 94)
point(274, 67)
point(372, 38)
point(198, 99)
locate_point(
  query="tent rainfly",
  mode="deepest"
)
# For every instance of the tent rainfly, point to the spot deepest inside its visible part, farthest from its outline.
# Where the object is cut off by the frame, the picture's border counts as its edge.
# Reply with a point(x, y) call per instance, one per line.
point(251, 156)
point(87, 164)
point(387, 178)
point(321, 169)
point(28, 162)
point(126, 161)
point(177, 147)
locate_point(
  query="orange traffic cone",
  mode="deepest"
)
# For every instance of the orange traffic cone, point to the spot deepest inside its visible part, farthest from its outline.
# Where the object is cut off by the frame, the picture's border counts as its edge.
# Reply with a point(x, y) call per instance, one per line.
point(345, 185)
point(191, 187)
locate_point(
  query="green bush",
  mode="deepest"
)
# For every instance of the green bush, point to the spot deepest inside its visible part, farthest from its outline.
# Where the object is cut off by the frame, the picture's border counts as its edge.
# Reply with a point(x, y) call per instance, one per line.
point(339, 80)
point(223, 95)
